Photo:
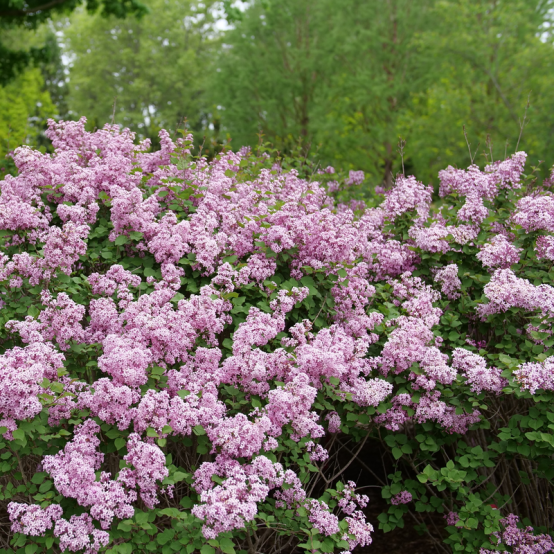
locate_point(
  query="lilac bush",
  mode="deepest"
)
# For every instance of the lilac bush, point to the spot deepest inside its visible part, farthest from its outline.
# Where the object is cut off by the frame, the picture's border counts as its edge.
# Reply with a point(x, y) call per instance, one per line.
point(191, 346)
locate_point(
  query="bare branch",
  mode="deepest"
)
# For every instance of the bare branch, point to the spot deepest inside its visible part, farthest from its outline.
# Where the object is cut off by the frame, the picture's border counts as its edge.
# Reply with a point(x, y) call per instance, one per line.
point(523, 121)
point(468, 145)
point(113, 111)
point(46, 6)
point(401, 145)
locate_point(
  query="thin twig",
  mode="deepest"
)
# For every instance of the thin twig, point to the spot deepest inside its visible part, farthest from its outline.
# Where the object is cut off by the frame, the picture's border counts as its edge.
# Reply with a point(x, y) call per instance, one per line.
point(113, 109)
point(489, 144)
point(468, 145)
point(523, 121)
point(348, 464)
point(401, 145)
point(320, 309)
point(201, 148)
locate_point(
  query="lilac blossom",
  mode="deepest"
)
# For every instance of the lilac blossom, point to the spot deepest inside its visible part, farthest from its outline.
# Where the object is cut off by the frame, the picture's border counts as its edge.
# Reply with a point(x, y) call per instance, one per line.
point(499, 252)
point(521, 541)
point(449, 280)
point(403, 497)
point(165, 366)
point(474, 368)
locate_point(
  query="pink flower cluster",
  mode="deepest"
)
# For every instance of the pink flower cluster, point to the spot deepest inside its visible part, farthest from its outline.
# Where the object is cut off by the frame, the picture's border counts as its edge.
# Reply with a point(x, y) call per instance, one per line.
point(499, 252)
point(22, 371)
point(74, 474)
point(76, 534)
point(505, 290)
point(403, 497)
point(164, 363)
point(474, 368)
point(449, 280)
point(521, 541)
point(350, 501)
point(536, 375)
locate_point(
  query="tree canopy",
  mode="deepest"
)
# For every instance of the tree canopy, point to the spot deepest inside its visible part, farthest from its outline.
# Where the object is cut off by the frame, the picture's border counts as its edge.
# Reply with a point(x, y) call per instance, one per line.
point(353, 81)
point(29, 14)
point(346, 85)
point(154, 69)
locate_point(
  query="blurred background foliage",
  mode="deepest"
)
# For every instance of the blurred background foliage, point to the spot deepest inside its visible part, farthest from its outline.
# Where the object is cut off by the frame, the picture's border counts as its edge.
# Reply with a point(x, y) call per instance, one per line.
point(341, 81)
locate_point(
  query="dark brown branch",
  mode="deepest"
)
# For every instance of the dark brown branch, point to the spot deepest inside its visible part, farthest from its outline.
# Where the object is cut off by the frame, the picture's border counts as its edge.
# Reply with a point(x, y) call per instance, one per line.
point(46, 6)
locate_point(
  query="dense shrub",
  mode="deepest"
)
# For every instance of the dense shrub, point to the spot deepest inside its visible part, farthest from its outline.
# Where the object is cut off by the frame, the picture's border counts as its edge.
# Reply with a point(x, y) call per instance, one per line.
point(190, 348)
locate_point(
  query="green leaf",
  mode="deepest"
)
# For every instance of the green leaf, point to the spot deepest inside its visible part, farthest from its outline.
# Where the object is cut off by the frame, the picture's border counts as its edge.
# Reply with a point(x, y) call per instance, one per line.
point(57, 387)
point(308, 281)
point(120, 443)
point(207, 549)
point(19, 434)
point(122, 239)
point(141, 517)
point(179, 476)
point(125, 527)
point(165, 537)
point(406, 449)
point(228, 343)
point(38, 478)
point(46, 486)
point(226, 545)
point(186, 502)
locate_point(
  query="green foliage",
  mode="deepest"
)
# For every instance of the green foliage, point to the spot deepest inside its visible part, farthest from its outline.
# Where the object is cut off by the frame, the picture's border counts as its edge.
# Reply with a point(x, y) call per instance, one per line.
point(494, 57)
point(350, 82)
point(153, 68)
point(24, 108)
point(170, 526)
point(29, 14)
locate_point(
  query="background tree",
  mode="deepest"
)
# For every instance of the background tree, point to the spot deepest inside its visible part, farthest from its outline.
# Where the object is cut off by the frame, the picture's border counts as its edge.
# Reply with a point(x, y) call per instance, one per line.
point(33, 96)
point(494, 57)
point(344, 83)
point(29, 14)
point(155, 67)
point(338, 78)
point(54, 74)
point(352, 81)
point(24, 108)
point(271, 71)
